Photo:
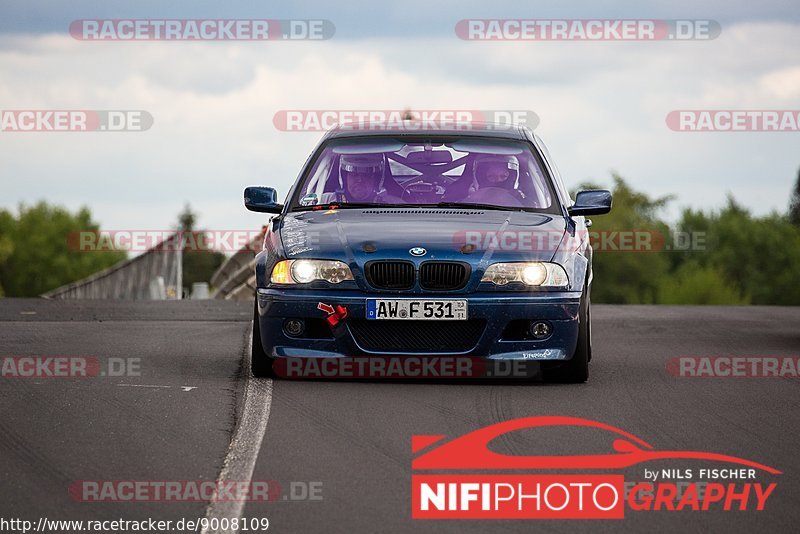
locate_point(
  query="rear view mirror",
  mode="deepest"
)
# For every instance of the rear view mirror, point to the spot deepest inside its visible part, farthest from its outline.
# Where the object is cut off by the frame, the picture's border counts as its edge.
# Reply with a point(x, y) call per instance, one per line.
point(591, 202)
point(262, 199)
point(430, 156)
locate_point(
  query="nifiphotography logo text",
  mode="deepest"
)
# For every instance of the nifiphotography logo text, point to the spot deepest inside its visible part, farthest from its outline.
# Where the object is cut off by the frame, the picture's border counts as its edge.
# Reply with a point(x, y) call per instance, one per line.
point(592, 486)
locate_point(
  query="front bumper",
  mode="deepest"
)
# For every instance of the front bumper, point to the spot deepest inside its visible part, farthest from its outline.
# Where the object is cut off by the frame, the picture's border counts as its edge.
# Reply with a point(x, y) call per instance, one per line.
point(490, 311)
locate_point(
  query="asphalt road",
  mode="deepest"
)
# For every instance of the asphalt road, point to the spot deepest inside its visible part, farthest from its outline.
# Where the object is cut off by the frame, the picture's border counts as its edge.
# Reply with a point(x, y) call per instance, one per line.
point(173, 415)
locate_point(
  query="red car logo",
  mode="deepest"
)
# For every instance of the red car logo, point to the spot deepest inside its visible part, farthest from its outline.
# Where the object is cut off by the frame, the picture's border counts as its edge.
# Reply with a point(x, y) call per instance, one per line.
point(471, 451)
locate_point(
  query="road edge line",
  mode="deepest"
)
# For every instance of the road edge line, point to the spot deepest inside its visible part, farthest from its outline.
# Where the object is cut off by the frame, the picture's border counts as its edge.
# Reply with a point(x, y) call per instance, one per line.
point(240, 460)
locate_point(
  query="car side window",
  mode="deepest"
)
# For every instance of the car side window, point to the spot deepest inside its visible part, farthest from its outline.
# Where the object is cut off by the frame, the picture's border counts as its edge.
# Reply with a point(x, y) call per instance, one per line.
point(557, 180)
point(316, 184)
point(541, 193)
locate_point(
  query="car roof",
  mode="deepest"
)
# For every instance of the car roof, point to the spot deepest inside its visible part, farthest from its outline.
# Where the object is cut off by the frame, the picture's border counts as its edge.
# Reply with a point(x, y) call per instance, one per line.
point(476, 129)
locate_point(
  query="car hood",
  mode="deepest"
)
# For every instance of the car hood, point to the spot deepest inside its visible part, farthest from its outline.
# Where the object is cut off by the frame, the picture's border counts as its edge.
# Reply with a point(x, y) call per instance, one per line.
point(475, 236)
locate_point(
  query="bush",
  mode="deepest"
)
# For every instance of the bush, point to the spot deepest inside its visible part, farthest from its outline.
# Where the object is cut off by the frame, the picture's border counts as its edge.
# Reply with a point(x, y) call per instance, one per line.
point(35, 256)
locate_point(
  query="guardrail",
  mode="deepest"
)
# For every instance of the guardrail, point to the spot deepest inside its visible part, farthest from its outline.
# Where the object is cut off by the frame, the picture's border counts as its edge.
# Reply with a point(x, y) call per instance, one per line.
point(236, 278)
point(154, 275)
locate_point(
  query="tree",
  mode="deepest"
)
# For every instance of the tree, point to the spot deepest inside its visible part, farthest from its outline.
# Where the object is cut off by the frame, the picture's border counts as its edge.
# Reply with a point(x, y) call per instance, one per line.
point(692, 284)
point(186, 219)
point(198, 265)
point(35, 251)
point(794, 203)
point(757, 256)
point(744, 259)
point(628, 277)
point(6, 245)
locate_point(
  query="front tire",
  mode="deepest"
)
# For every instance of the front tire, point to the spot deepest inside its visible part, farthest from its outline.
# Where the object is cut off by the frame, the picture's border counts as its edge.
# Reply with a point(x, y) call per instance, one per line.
point(576, 369)
point(260, 362)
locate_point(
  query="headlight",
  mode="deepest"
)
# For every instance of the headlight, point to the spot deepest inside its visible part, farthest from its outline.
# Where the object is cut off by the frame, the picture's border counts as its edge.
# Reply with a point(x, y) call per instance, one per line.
point(305, 271)
point(534, 274)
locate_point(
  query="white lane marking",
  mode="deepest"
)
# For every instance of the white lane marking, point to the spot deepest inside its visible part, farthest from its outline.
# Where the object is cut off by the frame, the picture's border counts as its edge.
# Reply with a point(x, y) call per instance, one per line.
point(245, 445)
point(183, 388)
point(142, 386)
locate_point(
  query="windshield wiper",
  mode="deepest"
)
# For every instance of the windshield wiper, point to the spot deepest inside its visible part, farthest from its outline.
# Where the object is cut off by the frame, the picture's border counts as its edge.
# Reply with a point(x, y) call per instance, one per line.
point(468, 205)
point(347, 205)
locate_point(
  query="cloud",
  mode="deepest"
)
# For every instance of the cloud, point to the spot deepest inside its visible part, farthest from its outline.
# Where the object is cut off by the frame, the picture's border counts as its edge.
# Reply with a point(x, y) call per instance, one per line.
point(602, 106)
point(782, 84)
point(367, 20)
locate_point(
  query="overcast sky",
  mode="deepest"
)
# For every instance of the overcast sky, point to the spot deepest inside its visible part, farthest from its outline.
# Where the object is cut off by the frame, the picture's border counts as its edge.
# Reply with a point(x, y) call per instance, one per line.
point(601, 105)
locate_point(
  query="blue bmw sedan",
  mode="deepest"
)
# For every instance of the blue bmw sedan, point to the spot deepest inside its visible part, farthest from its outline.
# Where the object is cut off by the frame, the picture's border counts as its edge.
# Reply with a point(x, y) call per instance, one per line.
point(445, 242)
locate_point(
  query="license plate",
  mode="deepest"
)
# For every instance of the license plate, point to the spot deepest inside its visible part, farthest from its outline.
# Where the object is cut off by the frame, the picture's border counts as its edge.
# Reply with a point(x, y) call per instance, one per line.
point(407, 309)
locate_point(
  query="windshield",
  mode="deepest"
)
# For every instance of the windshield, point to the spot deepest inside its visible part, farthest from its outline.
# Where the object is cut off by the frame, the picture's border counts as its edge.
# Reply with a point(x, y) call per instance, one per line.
point(385, 171)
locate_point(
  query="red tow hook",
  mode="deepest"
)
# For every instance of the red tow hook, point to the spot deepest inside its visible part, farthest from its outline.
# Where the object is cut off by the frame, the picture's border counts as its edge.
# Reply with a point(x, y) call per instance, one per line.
point(335, 315)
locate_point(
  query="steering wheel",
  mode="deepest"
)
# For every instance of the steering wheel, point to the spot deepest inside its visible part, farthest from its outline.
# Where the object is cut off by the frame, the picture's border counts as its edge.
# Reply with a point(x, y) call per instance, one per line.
point(495, 195)
point(424, 188)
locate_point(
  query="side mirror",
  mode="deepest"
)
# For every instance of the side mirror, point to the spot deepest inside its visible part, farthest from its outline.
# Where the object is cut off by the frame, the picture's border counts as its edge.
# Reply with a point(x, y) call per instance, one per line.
point(591, 202)
point(262, 199)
